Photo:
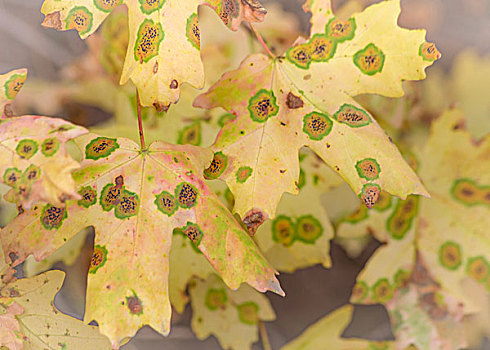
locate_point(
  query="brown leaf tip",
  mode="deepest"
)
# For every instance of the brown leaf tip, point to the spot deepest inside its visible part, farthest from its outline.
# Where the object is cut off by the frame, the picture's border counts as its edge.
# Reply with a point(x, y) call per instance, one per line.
point(253, 219)
point(52, 20)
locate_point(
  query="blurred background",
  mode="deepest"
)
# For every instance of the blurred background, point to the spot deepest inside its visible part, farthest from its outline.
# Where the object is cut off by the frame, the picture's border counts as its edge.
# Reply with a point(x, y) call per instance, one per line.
point(458, 27)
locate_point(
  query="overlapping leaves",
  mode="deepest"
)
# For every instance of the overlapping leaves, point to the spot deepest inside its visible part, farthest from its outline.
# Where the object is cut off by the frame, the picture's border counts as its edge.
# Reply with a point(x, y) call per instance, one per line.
point(435, 248)
point(164, 38)
point(29, 319)
point(34, 161)
point(135, 200)
point(305, 98)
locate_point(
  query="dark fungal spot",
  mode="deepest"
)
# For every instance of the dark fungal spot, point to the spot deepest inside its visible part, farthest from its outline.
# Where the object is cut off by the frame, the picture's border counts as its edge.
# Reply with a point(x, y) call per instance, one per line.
point(134, 305)
point(193, 232)
point(174, 84)
point(253, 219)
point(293, 101)
point(186, 195)
point(52, 217)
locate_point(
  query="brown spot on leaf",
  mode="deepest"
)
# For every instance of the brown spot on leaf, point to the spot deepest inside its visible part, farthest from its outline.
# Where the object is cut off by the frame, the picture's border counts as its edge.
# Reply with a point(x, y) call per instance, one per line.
point(174, 84)
point(160, 107)
point(253, 219)
point(7, 111)
point(134, 305)
point(52, 20)
point(155, 68)
point(293, 101)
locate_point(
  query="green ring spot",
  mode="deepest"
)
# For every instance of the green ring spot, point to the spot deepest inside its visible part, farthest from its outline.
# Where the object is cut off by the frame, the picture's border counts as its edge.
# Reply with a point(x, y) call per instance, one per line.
point(31, 174)
point(100, 147)
point(80, 19)
point(322, 48)
point(370, 194)
point(52, 217)
point(190, 135)
point(166, 203)
point(300, 56)
point(429, 52)
point(243, 173)
point(99, 258)
point(308, 229)
point(384, 202)
point(400, 220)
point(89, 196)
point(50, 146)
point(283, 230)
point(215, 299)
point(148, 40)
point(317, 125)
point(12, 176)
point(13, 85)
point(340, 30)
point(27, 148)
point(450, 255)
point(478, 268)
point(193, 232)
point(382, 290)
point(402, 278)
point(106, 5)
point(352, 116)
point(192, 31)
point(368, 169)
point(150, 6)
point(248, 312)
point(370, 60)
point(467, 192)
point(262, 106)
point(217, 166)
point(127, 205)
point(186, 195)
point(360, 291)
point(109, 196)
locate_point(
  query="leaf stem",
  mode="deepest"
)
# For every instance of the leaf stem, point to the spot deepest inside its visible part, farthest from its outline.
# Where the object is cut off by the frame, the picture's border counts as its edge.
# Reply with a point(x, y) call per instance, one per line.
point(140, 122)
point(263, 336)
point(261, 41)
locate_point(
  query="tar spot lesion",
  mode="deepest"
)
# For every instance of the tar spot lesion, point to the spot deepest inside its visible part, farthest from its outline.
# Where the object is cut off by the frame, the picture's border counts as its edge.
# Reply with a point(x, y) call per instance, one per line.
point(52, 217)
point(186, 195)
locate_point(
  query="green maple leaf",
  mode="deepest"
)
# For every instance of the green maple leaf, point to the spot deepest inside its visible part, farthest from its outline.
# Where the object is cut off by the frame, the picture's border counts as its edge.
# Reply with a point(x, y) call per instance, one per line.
point(231, 316)
point(164, 38)
point(435, 247)
point(306, 99)
point(135, 199)
point(34, 161)
point(30, 320)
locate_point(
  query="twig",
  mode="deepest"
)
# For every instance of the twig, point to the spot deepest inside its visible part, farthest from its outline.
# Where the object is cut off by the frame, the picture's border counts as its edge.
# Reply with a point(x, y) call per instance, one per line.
point(140, 122)
point(261, 41)
point(263, 336)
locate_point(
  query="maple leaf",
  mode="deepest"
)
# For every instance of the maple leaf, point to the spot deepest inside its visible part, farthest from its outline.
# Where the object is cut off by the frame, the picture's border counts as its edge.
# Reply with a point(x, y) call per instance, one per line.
point(10, 85)
point(30, 320)
point(164, 38)
point(434, 247)
point(231, 316)
point(135, 199)
point(300, 234)
point(180, 274)
point(328, 330)
point(305, 99)
point(34, 161)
